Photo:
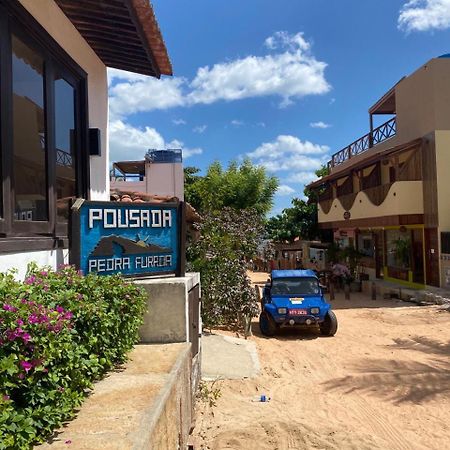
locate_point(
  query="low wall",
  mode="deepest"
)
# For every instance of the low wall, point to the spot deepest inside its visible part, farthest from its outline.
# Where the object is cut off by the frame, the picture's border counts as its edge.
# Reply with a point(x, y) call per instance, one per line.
point(149, 405)
point(167, 319)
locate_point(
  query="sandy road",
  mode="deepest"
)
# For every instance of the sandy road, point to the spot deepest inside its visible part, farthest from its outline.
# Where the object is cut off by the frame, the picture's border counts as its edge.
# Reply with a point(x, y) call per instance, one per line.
point(383, 382)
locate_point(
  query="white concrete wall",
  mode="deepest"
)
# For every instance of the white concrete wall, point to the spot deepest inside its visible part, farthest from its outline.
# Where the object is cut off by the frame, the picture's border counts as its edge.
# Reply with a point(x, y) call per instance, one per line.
point(165, 179)
point(19, 261)
point(51, 17)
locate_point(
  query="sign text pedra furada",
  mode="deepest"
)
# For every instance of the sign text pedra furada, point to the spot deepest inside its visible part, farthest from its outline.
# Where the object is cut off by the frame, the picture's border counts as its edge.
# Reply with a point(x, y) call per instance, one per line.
point(134, 239)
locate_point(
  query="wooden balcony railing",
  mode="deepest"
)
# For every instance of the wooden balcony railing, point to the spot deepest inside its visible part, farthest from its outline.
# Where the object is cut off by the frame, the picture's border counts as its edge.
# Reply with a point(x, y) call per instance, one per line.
point(379, 134)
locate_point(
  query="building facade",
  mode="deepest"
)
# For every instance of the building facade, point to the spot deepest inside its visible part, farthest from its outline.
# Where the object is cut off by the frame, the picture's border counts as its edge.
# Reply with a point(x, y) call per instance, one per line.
point(387, 193)
point(160, 173)
point(54, 112)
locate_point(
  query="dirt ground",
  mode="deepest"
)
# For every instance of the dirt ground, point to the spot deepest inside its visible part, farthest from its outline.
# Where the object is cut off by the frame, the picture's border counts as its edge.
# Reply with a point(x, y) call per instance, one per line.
point(383, 382)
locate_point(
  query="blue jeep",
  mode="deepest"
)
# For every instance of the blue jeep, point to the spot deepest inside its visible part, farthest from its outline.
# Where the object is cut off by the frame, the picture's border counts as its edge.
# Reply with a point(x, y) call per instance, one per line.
point(294, 298)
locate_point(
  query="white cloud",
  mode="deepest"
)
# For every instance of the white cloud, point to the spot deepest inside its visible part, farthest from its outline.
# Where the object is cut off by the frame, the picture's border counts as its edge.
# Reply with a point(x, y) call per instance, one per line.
point(319, 124)
point(301, 177)
point(284, 190)
point(282, 39)
point(297, 160)
point(289, 71)
point(127, 142)
point(424, 15)
point(200, 129)
point(237, 123)
point(145, 94)
point(261, 124)
point(179, 122)
point(286, 146)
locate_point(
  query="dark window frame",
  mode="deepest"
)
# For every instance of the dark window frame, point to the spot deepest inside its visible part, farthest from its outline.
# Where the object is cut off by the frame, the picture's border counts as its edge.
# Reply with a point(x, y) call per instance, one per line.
point(16, 235)
point(445, 242)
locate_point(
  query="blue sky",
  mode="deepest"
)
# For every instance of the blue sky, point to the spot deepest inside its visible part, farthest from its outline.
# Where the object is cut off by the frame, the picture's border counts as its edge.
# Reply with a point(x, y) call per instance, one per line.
point(286, 83)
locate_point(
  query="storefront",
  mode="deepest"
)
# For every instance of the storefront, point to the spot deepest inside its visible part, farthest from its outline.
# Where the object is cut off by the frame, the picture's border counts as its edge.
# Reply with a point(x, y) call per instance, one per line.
point(394, 253)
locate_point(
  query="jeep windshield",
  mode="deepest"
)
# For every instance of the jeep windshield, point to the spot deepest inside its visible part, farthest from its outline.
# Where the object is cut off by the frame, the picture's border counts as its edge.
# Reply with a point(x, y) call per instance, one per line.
point(295, 286)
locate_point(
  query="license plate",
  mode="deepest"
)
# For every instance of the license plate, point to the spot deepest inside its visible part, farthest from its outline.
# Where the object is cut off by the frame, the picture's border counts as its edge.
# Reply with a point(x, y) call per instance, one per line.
point(298, 312)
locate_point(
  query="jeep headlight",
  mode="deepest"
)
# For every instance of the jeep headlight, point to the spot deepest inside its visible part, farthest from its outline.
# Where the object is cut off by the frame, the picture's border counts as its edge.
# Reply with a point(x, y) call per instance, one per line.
point(282, 310)
point(315, 310)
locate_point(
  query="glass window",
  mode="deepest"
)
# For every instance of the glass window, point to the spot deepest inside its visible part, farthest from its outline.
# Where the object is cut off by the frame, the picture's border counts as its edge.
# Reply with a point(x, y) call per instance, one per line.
point(29, 140)
point(65, 142)
point(398, 249)
point(295, 286)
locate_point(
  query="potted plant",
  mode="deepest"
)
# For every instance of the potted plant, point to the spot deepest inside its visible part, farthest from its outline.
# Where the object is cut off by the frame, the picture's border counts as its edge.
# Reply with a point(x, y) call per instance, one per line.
point(402, 250)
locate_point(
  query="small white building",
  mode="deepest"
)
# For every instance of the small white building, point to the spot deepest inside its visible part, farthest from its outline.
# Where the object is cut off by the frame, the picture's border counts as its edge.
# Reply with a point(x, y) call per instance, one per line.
point(160, 173)
point(54, 112)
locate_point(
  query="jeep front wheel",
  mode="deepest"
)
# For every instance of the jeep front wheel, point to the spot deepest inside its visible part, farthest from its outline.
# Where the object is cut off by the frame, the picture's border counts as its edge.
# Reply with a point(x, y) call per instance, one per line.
point(266, 324)
point(330, 325)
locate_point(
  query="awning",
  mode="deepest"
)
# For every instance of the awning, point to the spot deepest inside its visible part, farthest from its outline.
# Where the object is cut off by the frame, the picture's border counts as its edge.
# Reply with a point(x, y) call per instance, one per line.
point(130, 167)
point(371, 159)
point(386, 104)
point(123, 33)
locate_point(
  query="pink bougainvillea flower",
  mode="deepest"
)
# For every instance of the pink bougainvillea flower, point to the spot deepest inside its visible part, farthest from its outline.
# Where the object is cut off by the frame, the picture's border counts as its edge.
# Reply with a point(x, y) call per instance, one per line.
point(33, 318)
point(59, 309)
point(6, 398)
point(19, 322)
point(26, 365)
point(21, 376)
point(8, 307)
point(43, 273)
point(30, 280)
point(26, 337)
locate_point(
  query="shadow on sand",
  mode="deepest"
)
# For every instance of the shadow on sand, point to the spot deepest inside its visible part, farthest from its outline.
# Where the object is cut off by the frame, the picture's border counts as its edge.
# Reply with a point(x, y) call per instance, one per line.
point(360, 300)
point(402, 381)
point(289, 334)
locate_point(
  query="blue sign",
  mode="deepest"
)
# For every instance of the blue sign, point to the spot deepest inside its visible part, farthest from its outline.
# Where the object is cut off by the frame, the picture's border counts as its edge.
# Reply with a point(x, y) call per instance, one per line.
point(129, 238)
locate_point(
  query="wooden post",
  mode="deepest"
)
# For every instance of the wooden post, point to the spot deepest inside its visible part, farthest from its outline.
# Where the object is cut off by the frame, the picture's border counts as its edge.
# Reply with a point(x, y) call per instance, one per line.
point(374, 291)
point(347, 291)
point(331, 288)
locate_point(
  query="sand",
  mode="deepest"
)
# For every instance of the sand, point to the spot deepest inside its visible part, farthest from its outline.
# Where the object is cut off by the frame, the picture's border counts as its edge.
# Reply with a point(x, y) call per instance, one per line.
point(383, 382)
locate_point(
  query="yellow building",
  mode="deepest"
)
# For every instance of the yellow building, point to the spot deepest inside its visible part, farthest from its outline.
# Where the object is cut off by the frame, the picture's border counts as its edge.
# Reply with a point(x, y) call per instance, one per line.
point(388, 193)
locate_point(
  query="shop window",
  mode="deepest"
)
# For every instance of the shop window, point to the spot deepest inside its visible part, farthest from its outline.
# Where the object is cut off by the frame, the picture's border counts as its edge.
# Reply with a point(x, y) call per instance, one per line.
point(29, 136)
point(43, 134)
point(398, 249)
point(366, 245)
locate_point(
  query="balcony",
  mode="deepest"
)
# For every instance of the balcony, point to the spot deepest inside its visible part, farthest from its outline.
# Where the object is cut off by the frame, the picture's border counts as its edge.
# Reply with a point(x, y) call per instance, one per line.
point(378, 135)
point(397, 198)
point(132, 183)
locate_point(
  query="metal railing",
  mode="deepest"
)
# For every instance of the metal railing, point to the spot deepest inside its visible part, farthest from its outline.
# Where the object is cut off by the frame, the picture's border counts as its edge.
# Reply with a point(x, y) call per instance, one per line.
point(63, 158)
point(378, 135)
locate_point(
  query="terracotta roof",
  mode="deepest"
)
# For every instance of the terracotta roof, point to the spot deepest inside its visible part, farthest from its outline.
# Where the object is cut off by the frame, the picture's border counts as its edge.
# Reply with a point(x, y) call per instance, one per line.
point(123, 33)
point(117, 195)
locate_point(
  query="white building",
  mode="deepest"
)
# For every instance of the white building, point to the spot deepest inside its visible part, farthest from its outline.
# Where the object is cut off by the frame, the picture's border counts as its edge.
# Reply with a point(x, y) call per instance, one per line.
point(54, 112)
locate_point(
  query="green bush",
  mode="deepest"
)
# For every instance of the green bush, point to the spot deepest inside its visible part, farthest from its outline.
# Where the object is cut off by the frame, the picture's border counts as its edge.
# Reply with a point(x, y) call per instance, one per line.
point(59, 331)
point(227, 239)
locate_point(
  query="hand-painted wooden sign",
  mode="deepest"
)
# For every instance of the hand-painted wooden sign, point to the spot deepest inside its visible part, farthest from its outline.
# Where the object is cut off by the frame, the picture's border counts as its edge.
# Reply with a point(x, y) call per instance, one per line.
point(133, 239)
